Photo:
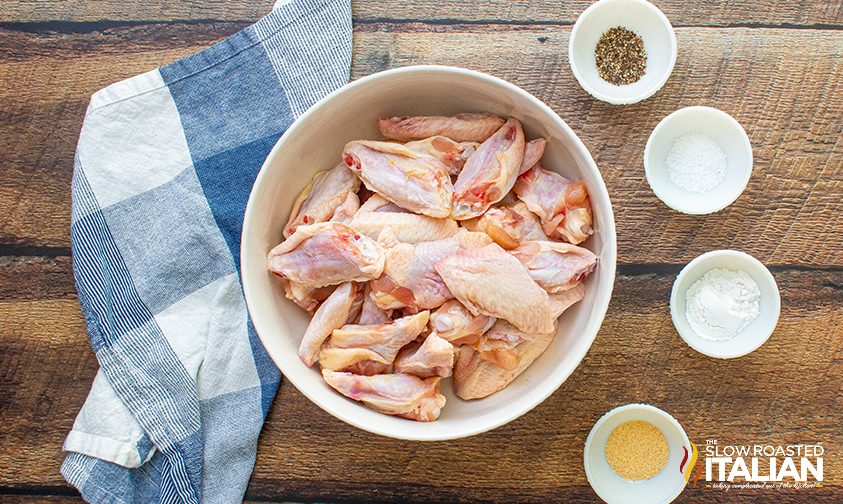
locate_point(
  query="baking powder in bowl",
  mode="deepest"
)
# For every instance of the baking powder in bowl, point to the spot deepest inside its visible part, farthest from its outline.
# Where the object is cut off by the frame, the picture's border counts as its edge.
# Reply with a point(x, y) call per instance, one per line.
point(722, 303)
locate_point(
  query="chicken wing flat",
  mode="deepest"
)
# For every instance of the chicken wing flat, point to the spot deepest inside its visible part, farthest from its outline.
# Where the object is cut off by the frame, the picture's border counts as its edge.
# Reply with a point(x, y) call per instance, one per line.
point(491, 281)
point(555, 266)
point(466, 127)
point(334, 313)
point(411, 179)
point(408, 227)
point(327, 253)
point(352, 344)
point(410, 279)
point(432, 357)
point(490, 172)
point(504, 352)
point(321, 198)
point(394, 394)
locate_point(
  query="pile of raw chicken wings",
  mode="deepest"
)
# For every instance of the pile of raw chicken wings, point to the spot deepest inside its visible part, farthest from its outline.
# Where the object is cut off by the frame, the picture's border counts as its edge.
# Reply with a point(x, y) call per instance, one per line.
point(455, 256)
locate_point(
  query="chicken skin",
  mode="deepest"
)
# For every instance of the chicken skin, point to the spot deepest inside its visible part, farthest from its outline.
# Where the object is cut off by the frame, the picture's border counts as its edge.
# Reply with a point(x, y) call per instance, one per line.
point(411, 179)
point(352, 344)
point(563, 206)
point(402, 395)
point(555, 266)
point(467, 127)
point(533, 152)
point(490, 172)
point(453, 322)
point(491, 281)
point(327, 253)
point(508, 225)
point(452, 154)
point(334, 313)
point(432, 357)
point(504, 352)
point(408, 227)
point(321, 198)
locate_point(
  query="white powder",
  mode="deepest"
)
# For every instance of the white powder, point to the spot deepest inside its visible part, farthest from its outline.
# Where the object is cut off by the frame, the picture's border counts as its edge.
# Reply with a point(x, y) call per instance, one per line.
point(722, 303)
point(696, 163)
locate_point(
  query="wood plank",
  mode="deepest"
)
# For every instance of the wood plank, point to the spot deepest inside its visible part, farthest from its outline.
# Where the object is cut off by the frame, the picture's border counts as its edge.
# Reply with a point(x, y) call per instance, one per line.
point(698, 13)
point(781, 85)
point(71, 11)
point(306, 454)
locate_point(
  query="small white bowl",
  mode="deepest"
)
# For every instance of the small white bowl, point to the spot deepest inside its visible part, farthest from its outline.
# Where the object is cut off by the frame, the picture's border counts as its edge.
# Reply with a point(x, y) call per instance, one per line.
point(723, 129)
point(661, 488)
point(639, 16)
point(756, 333)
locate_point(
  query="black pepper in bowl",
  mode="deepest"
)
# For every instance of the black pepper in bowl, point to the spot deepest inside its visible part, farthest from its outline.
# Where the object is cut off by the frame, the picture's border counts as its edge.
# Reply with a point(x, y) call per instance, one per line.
point(621, 57)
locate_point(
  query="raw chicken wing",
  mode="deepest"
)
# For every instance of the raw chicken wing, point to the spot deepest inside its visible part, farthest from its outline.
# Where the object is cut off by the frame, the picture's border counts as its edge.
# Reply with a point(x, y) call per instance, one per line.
point(332, 314)
point(533, 152)
point(508, 225)
point(563, 206)
point(305, 296)
point(325, 254)
point(490, 172)
point(347, 209)
point(394, 394)
point(476, 377)
point(452, 154)
point(467, 127)
point(555, 266)
point(370, 313)
point(490, 281)
point(408, 227)
point(410, 279)
point(322, 196)
point(433, 357)
point(352, 344)
point(413, 180)
point(504, 352)
point(453, 322)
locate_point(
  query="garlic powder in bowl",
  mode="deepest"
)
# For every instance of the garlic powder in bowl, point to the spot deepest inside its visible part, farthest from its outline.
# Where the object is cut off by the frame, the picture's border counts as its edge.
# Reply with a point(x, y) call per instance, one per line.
point(722, 303)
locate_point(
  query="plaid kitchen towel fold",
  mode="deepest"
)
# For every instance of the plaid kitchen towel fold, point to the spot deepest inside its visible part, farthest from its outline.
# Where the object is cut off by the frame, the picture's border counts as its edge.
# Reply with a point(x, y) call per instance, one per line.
point(163, 170)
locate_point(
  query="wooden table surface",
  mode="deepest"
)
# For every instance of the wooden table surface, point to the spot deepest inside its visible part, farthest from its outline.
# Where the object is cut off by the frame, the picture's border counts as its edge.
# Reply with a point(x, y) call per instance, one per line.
point(775, 66)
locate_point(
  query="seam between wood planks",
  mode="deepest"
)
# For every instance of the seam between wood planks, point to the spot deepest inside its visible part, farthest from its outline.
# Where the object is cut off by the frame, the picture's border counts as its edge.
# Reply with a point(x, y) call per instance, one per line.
point(629, 269)
point(68, 27)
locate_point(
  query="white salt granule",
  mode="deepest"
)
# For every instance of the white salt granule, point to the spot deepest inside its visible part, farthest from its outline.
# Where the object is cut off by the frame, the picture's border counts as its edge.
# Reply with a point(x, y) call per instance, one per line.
point(696, 163)
point(722, 303)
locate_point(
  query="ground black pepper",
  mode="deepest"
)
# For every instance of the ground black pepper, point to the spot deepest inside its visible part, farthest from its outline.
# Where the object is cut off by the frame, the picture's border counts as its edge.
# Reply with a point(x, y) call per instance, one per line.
point(621, 57)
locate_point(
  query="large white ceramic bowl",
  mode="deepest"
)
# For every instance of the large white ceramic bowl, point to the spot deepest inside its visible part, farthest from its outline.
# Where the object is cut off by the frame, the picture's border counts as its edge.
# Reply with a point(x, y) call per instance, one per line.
point(315, 141)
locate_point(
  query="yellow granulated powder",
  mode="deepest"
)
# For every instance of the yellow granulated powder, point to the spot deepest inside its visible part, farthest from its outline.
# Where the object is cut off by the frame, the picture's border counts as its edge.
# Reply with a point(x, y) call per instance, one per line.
point(637, 450)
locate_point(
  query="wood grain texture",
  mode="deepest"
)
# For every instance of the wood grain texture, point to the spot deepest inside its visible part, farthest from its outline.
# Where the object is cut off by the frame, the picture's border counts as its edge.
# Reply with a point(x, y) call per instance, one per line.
point(799, 13)
point(305, 454)
point(775, 66)
point(782, 85)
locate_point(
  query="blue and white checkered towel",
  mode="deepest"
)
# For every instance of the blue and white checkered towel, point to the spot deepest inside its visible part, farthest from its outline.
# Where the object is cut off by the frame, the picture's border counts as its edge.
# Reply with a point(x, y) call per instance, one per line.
point(164, 166)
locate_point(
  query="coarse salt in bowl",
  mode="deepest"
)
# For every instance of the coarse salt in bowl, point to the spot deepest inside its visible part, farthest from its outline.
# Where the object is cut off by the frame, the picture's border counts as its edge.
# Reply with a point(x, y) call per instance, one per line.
point(750, 337)
point(730, 137)
point(315, 142)
point(639, 16)
point(662, 488)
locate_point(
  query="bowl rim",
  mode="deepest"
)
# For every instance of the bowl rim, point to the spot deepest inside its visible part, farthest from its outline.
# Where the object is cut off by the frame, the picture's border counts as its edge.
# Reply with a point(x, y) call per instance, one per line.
point(608, 266)
point(611, 413)
point(696, 263)
point(677, 204)
point(628, 100)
